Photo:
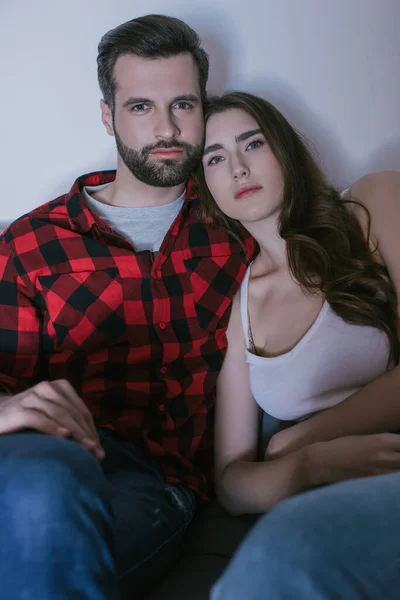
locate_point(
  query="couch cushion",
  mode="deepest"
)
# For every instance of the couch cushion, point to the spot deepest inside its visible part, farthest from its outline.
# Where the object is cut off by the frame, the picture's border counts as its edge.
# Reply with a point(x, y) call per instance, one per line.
point(208, 547)
point(192, 579)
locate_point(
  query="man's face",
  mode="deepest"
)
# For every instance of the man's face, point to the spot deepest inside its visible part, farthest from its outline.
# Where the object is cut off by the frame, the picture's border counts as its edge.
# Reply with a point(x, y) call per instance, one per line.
point(158, 118)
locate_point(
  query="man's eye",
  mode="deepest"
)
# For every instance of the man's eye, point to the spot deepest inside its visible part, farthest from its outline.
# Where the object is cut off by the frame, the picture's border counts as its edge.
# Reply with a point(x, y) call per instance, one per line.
point(184, 105)
point(255, 144)
point(215, 160)
point(139, 107)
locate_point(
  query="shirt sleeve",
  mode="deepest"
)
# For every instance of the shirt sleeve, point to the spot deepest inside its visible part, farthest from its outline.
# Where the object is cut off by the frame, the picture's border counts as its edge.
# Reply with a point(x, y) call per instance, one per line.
point(20, 326)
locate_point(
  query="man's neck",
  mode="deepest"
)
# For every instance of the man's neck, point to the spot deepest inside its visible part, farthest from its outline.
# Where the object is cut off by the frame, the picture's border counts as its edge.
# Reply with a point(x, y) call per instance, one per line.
point(128, 191)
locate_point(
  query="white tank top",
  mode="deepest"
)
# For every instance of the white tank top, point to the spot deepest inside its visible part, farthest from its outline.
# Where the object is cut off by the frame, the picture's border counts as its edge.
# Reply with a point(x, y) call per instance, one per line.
point(332, 360)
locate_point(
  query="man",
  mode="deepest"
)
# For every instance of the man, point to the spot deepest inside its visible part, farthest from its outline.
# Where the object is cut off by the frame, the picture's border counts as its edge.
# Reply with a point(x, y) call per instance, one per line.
point(114, 301)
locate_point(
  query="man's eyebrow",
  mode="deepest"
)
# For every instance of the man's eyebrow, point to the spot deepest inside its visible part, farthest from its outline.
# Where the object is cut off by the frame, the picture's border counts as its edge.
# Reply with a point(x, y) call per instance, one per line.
point(142, 100)
point(137, 100)
point(238, 138)
point(186, 98)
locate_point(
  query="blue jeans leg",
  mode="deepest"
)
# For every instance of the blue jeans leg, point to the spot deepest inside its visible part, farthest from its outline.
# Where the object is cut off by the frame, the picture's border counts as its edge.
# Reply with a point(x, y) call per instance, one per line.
point(150, 516)
point(55, 521)
point(339, 542)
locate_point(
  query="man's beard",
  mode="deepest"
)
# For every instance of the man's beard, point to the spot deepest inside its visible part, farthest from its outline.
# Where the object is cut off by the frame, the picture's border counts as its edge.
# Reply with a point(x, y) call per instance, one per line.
point(163, 173)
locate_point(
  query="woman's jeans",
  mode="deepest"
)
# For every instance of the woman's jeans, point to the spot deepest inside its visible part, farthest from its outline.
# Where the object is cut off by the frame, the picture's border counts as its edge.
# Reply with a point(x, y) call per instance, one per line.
point(75, 529)
point(339, 542)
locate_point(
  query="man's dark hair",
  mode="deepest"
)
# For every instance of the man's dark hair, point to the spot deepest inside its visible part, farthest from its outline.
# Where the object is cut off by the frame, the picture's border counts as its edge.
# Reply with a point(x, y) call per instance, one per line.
point(151, 36)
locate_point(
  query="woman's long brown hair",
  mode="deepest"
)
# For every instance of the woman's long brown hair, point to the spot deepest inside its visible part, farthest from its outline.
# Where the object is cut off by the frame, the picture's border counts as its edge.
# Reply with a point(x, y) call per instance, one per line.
point(327, 249)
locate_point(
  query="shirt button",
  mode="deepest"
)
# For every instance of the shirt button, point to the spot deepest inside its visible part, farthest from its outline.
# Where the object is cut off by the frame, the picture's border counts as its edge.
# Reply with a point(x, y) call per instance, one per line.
point(163, 370)
point(169, 425)
point(161, 408)
point(162, 325)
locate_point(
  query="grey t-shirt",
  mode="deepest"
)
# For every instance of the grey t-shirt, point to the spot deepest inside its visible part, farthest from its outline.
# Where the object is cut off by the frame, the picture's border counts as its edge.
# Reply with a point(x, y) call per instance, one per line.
point(145, 228)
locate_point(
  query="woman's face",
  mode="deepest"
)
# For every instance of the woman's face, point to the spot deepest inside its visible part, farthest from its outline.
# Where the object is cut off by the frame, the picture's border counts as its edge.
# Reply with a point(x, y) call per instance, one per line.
point(240, 169)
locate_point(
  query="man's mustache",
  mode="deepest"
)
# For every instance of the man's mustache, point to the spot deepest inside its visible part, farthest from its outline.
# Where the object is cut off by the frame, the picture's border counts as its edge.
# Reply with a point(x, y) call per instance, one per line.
point(165, 145)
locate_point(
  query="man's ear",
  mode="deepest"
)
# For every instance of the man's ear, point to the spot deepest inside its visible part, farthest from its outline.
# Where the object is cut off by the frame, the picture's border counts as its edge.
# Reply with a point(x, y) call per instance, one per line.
point(106, 117)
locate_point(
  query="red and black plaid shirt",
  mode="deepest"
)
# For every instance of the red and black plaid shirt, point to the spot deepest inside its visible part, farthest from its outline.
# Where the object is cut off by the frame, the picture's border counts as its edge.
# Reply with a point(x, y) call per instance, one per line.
point(141, 339)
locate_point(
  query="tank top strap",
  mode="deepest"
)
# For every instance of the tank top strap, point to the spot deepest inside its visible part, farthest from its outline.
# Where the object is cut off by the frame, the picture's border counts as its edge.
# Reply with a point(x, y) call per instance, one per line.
point(244, 306)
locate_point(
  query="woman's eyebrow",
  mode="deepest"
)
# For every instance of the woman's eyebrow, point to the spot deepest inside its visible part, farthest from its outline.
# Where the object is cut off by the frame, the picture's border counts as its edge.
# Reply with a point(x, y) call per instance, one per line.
point(244, 136)
point(212, 148)
point(238, 138)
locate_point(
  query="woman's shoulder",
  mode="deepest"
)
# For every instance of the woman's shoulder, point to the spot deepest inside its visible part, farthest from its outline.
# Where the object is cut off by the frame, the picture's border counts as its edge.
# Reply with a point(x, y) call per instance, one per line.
point(380, 194)
point(375, 193)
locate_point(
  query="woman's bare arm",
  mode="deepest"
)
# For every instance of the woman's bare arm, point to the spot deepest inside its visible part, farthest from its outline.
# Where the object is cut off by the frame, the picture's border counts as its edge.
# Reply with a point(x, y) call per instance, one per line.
point(242, 484)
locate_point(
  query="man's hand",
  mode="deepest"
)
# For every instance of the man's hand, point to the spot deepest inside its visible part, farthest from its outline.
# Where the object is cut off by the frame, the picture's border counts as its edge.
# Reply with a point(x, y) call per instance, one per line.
point(53, 408)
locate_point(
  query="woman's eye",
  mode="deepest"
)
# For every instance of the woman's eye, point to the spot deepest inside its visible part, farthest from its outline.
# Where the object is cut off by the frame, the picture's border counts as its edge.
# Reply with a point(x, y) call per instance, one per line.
point(215, 160)
point(255, 144)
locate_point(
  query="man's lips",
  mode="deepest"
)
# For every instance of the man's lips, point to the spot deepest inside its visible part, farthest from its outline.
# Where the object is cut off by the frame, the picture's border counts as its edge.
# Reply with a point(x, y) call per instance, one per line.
point(167, 153)
point(247, 190)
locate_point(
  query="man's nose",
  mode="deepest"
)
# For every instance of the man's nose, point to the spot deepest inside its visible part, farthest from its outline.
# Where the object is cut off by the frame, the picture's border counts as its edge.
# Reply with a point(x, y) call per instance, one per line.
point(166, 127)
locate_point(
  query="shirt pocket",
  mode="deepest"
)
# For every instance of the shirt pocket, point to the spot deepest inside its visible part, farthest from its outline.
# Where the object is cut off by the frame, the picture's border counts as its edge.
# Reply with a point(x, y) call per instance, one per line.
point(83, 311)
point(213, 282)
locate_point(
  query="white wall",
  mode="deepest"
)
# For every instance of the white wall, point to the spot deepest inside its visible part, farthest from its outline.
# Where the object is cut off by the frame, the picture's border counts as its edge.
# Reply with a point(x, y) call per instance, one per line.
point(332, 67)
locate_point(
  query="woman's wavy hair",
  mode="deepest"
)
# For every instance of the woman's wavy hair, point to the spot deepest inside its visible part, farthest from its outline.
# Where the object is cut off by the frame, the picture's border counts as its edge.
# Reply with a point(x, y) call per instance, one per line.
point(326, 247)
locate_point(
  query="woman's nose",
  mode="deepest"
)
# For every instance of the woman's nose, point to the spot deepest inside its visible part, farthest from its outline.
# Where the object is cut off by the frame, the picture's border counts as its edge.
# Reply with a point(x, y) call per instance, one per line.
point(240, 171)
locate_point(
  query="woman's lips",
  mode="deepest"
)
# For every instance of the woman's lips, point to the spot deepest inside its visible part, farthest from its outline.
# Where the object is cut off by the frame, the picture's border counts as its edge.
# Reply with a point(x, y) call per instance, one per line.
point(246, 191)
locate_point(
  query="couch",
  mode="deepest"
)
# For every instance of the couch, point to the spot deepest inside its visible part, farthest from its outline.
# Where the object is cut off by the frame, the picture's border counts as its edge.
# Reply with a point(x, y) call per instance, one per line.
point(207, 550)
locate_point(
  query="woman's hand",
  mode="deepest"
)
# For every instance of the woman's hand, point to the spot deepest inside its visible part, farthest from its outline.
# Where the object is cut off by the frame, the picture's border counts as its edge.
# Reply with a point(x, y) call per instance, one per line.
point(352, 457)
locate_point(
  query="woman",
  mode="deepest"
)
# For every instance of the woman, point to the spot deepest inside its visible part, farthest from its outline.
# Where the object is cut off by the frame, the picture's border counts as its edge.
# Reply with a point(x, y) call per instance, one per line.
point(313, 340)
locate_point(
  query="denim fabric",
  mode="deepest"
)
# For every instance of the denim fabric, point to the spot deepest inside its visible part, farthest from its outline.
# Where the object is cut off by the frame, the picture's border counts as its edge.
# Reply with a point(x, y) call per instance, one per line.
point(340, 542)
point(150, 516)
point(72, 528)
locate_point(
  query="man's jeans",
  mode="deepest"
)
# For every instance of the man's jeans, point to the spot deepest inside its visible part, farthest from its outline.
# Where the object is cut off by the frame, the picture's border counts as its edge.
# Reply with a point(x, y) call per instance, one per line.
point(340, 542)
point(74, 529)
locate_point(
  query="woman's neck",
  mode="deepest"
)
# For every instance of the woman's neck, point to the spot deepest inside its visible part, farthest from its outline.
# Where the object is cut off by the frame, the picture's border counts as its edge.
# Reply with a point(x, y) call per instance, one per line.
point(273, 250)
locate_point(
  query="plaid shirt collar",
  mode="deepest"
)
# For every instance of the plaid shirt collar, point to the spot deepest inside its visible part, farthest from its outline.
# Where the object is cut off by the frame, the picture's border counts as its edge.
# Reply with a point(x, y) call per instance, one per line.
point(81, 219)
